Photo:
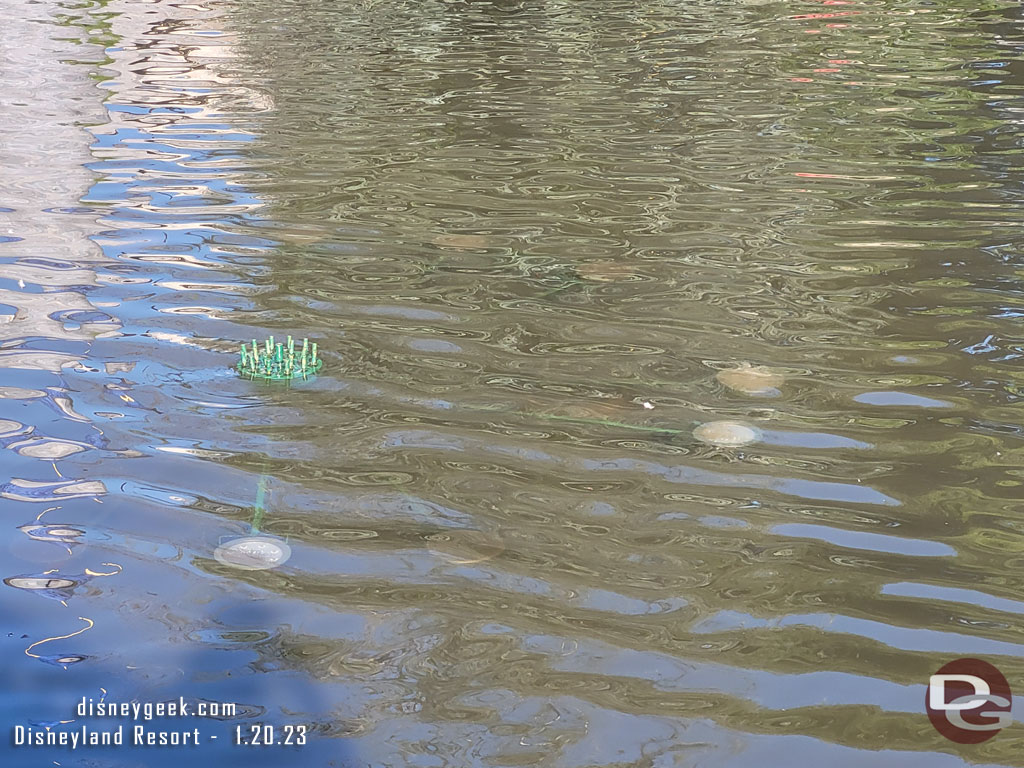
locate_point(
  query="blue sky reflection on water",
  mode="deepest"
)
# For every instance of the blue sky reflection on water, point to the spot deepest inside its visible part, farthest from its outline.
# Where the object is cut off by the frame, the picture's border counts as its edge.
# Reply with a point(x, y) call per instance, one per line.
point(164, 209)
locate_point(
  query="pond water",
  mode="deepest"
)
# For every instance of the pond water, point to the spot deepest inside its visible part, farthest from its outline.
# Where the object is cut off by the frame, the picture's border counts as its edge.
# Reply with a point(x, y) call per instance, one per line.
point(671, 405)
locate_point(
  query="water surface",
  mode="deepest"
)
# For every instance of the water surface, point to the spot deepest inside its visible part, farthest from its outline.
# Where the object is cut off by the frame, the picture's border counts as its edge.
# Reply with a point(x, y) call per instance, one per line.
point(526, 236)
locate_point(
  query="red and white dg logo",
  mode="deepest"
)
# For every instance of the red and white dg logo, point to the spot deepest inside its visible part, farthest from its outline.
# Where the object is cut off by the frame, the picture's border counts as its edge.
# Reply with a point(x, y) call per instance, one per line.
point(968, 701)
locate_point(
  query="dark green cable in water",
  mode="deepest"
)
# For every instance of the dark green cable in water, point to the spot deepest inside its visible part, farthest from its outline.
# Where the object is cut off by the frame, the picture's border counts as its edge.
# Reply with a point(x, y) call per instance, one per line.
point(609, 423)
point(260, 509)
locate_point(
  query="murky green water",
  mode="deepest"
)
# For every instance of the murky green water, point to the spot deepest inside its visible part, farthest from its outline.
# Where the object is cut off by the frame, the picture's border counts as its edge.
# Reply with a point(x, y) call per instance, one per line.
point(531, 240)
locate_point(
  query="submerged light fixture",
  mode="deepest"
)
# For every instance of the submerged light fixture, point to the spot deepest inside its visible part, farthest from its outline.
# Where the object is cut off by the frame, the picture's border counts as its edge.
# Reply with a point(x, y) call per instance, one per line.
point(257, 551)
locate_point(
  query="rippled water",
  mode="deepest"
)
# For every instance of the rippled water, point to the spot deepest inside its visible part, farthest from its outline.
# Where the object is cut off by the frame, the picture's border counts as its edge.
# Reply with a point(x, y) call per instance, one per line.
point(532, 240)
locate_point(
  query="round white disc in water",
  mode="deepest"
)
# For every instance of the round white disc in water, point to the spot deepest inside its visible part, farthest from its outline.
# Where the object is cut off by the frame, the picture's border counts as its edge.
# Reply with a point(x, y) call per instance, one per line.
point(39, 582)
point(728, 434)
point(751, 379)
point(253, 553)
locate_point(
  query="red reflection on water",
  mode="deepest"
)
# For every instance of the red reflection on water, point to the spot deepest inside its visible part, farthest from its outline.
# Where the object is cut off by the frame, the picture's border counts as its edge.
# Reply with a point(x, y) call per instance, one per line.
point(825, 15)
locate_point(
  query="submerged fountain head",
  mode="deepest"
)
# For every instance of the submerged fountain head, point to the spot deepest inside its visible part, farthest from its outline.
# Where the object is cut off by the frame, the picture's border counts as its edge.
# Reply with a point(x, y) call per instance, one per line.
point(752, 379)
point(727, 434)
point(279, 362)
point(253, 553)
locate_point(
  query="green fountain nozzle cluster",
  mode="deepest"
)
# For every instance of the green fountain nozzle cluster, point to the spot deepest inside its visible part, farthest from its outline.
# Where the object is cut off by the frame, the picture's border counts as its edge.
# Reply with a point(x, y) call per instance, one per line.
point(279, 362)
